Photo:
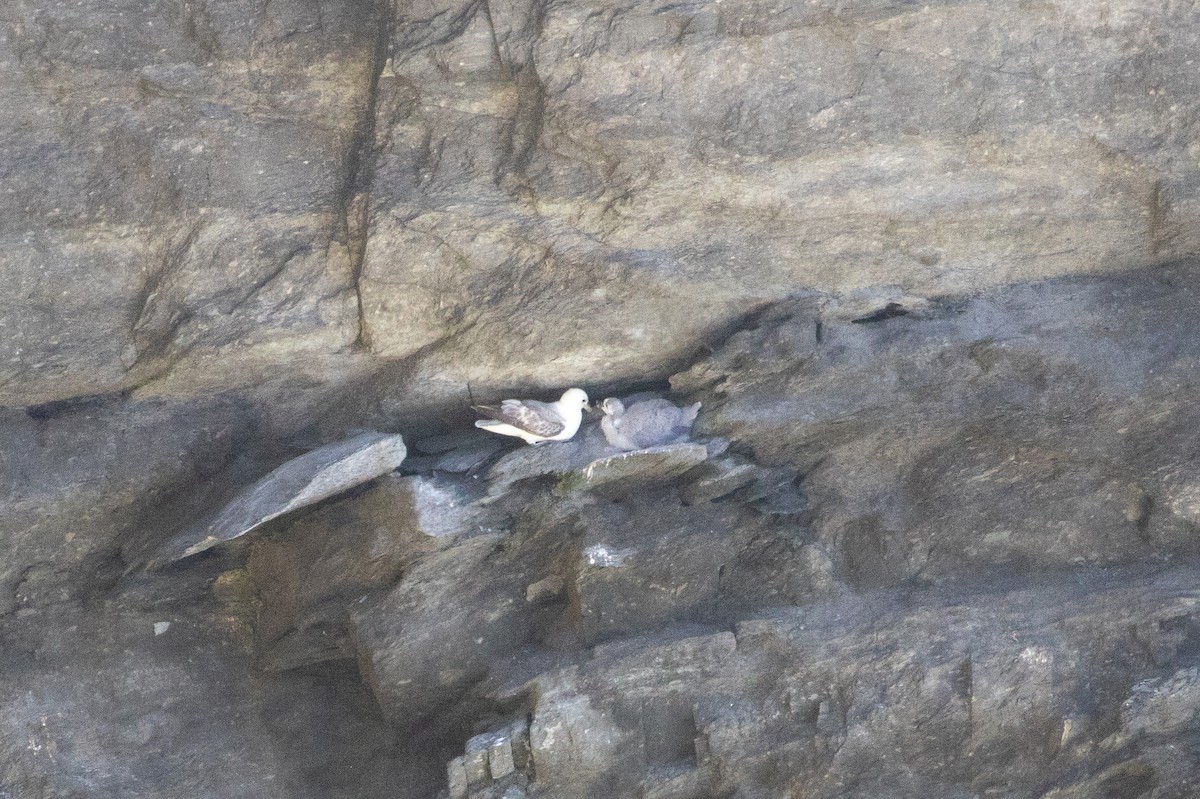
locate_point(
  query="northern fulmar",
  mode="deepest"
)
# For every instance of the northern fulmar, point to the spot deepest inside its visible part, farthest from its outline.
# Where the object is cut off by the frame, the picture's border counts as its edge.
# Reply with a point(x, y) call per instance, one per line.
point(535, 421)
point(648, 423)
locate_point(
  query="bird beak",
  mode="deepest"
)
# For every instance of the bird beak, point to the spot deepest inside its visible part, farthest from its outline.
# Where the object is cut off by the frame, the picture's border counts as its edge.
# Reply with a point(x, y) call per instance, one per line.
point(589, 408)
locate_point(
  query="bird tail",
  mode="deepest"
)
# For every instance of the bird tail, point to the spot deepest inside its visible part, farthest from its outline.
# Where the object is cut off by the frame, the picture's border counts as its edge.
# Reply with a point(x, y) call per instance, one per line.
point(690, 415)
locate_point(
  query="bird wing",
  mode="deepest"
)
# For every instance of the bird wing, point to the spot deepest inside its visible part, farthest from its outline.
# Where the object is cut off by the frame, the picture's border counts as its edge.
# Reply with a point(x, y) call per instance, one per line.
point(611, 427)
point(538, 418)
point(654, 422)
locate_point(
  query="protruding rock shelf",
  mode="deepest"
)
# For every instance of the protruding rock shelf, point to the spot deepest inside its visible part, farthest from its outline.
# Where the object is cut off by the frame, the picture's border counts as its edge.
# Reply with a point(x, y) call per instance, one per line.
point(643, 465)
point(304, 481)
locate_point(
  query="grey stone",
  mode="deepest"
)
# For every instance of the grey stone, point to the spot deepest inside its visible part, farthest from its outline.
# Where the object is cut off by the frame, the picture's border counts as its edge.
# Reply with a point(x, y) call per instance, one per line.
point(468, 458)
point(424, 642)
point(305, 644)
point(927, 263)
point(518, 742)
point(456, 771)
point(659, 463)
point(647, 564)
point(475, 764)
point(550, 458)
point(490, 175)
point(348, 547)
point(546, 588)
point(777, 491)
point(445, 442)
point(812, 692)
point(301, 482)
point(500, 758)
point(175, 696)
point(681, 781)
point(965, 431)
point(489, 770)
point(444, 507)
point(717, 446)
point(848, 139)
point(456, 452)
point(717, 478)
point(211, 197)
point(1163, 705)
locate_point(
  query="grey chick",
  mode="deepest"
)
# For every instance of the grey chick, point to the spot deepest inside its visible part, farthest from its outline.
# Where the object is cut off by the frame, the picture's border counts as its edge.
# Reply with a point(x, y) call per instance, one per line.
point(648, 423)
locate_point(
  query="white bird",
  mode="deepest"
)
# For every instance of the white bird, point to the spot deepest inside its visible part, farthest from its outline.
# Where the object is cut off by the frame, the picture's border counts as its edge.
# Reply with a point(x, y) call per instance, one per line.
point(536, 421)
point(648, 423)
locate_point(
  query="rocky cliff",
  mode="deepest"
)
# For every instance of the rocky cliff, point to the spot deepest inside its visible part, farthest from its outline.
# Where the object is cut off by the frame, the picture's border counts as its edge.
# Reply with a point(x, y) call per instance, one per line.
point(929, 268)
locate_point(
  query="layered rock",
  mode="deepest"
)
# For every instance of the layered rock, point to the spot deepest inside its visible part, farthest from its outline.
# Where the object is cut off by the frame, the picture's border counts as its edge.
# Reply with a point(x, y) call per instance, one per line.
point(234, 231)
point(539, 196)
point(180, 184)
point(568, 193)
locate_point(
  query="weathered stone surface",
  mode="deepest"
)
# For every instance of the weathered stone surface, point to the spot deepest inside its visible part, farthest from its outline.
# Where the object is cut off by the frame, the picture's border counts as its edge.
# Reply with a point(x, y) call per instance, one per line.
point(96, 704)
point(577, 735)
point(226, 227)
point(605, 174)
point(719, 478)
point(191, 219)
point(523, 178)
point(551, 458)
point(644, 465)
point(546, 588)
point(494, 761)
point(995, 430)
point(459, 452)
point(457, 778)
point(1163, 706)
point(645, 565)
point(304, 481)
point(965, 695)
point(427, 589)
point(426, 642)
point(307, 574)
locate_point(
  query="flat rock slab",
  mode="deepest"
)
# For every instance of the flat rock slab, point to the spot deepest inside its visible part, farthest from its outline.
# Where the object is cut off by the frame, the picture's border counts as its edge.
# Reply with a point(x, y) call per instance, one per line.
point(554, 457)
point(300, 482)
point(653, 463)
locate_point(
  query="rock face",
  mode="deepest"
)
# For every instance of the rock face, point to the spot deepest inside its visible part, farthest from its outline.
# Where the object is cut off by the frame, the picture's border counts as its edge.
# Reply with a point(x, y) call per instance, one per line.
point(929, 268)
point(261, 191)
point(604, 175)
point(990, 430)
point(203, 161)
point(805, 701)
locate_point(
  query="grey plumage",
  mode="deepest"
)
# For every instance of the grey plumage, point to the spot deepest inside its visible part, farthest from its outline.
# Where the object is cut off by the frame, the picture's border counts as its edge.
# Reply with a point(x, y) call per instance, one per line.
point(540, 418)
point(534, 421)
point(648, 423)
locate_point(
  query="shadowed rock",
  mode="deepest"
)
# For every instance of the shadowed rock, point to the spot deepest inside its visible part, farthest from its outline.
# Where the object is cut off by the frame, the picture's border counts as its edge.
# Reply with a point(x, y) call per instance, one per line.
point(719, 477)
point(351, 547)
point(558, 457)
point(454, 452)
point(301, 482)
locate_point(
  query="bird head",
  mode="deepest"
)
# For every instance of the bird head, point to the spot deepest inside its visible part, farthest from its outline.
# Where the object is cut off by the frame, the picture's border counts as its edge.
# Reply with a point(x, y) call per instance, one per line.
point(575, 398)
point(612, 406)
